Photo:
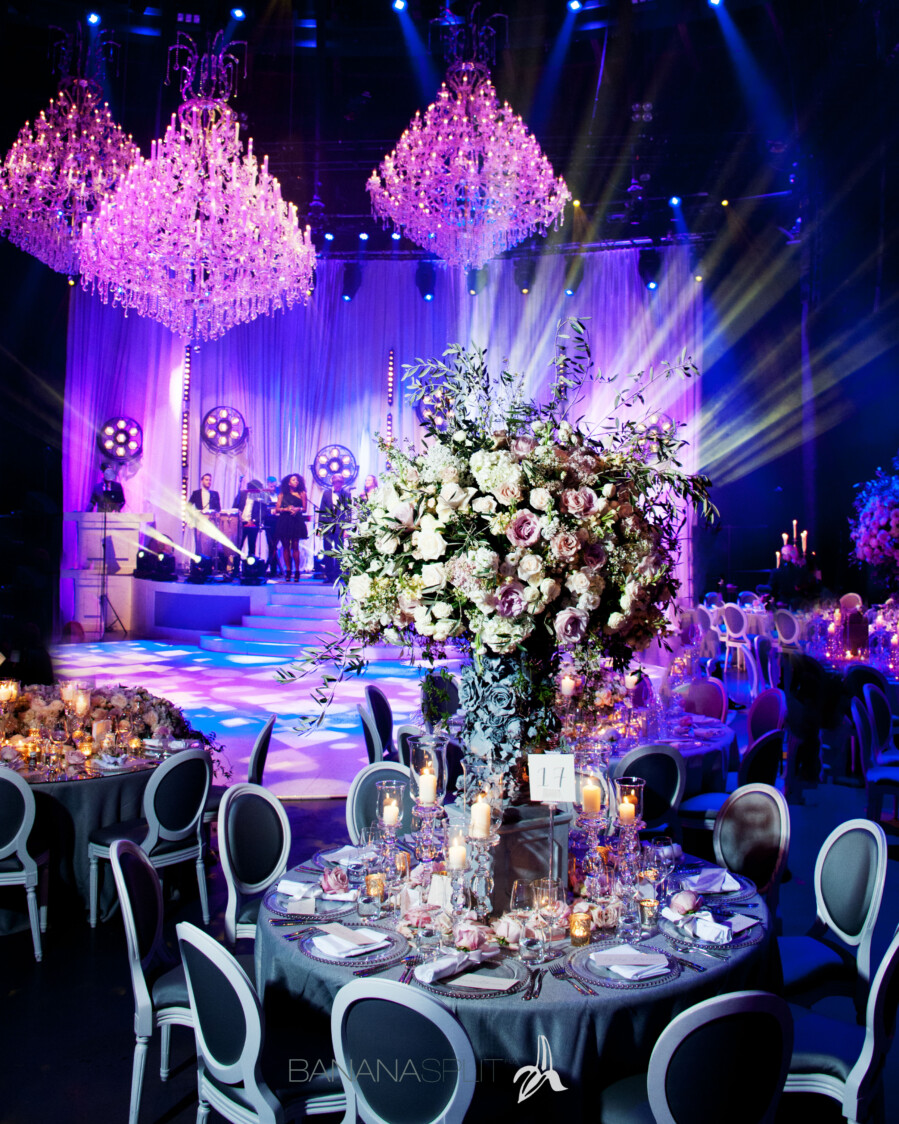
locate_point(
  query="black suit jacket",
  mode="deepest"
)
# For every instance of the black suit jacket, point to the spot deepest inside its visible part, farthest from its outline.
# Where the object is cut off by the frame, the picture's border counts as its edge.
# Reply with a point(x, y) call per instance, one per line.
point(107, 495)
point(196, 500)
point(256, 512)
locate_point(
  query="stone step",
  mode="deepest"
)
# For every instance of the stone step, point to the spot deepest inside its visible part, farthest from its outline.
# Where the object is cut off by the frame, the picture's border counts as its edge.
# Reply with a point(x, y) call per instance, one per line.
point(317, 597)
point(309, 637)
point(287, 651)
point(289, 624)
point(309, 611)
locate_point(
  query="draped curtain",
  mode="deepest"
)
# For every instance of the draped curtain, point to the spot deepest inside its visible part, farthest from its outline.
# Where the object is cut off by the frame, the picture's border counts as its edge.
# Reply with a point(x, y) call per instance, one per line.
point(317, 375)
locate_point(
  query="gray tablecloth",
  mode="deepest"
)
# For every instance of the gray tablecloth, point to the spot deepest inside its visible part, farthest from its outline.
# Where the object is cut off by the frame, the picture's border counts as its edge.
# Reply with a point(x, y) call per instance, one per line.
point(708, 760)
point(594, 1040)
point(66, 813)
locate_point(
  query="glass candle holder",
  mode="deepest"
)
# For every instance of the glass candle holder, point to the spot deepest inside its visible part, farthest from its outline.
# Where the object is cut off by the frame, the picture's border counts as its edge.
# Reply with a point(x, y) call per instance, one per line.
point(390, 803)
point(629, 799)
point(376, 886)
point(649, 913)
point(579, 929)
point(427, 768)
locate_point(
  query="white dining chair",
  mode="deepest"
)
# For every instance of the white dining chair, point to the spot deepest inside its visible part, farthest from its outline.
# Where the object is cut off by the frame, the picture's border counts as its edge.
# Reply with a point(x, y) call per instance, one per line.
point(18, 866)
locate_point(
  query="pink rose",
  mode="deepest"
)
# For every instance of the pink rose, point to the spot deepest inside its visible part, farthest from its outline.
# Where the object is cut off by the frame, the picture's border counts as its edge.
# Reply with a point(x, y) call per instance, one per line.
point(686, 902)
point(510, 600)
point(335, 881)
point(582, 502)
point(420, 915)
point(524, 530)
point(470, 935)
point(571, 624)
point(595, 556)
point(564, 545)
point(507, 493)
point(509, 931)
point(522, 447)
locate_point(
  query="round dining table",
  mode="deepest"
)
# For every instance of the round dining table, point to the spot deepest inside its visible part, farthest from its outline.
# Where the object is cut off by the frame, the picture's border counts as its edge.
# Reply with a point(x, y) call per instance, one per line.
point(66, 812)
point(592, 1040)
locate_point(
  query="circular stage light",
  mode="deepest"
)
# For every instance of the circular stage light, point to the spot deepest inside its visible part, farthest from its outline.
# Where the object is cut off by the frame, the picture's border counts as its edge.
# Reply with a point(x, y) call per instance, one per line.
point(121, 439)
point(334, 460)
point(224, 430)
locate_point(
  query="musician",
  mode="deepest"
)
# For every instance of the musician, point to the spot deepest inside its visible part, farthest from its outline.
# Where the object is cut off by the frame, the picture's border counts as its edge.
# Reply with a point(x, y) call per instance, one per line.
point(204, 499)
point(291, 508)
point(333, 514)
point(108, 494)
point(250, 507)
point(270, 522)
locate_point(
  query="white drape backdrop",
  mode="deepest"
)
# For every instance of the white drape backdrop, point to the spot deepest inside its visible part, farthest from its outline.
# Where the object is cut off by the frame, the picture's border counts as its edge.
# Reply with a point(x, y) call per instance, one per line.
point(318, 374)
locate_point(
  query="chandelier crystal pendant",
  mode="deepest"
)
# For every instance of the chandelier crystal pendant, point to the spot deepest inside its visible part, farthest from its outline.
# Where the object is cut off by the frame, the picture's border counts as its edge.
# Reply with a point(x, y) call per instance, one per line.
point(198, 236)
point(468, 181)
point(61, 167)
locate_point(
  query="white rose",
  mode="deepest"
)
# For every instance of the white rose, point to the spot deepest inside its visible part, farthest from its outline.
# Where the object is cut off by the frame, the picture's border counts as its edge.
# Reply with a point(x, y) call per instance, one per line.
point(530, 569)
point(422, 615)
point(588, 601)
point(443, 630)
point(425, 629)
point(484, 505)
point(550, 589)
point(609, 491)
point(441, 610)
point(392, 636)
point(407, 603)
point(540, 499)
point(404, 514)
point(483, 599)
point(388, 544)
point(485, 561)
point(412, 476)
point(578, 582)
point(616, 622)
point(507, 493)
point(449, 473)
point(433, 576)
point(359, 586)
point(531, 594)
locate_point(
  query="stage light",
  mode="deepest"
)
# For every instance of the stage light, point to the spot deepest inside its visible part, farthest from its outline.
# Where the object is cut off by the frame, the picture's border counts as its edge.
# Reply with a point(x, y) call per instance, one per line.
point(725, 202)
point(574, 5)
point(476, 279)
point(363, 237)
point(201, 569)
point(334, 460)
point(649, 265)
point(329, 237)
point(697, 277)
point(425, 279)
point(714, 3)
point(352, 279)
point(652, 285)
point(121, 439)
point(574, 275)
point(396, 236)
point(252, 571)
point(399, 5)
point(674, 201)
point(523, 271)
point(224, 430)
point(151, 566)
point(93, 18)
point(238, 14)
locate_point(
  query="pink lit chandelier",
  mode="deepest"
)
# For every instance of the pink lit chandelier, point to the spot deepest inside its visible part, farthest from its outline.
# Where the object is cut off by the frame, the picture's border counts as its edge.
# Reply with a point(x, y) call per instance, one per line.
point(468, 180)
point(59, 169)
point(198, 236)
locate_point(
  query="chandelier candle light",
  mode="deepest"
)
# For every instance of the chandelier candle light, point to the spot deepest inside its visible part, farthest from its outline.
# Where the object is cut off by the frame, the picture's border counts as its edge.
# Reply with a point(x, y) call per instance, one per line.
point(61, 168)
point(468, 181)
point(198, 236)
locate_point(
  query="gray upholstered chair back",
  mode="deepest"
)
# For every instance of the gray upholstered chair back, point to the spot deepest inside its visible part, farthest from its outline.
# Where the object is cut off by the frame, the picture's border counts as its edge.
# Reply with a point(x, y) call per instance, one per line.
point(864, 732)
point(175, 797)
point(373, 745)
point(746, 597)
point(753, 671)
point(254, 842)
point(762, 645)
point(752, 836)
point(362, 799)
point(787, 627)
point(381, 711)
point(850, 874)
point(399, 1029)
point(664, 775)
point(716, 1038)
point(703, 619)
point(768, 712)
point(881, 718)
point(850, 601)
point(761, 762)
point(856, 677)
point(403, 734)
point(17, 811)
point(260, 752)
point(734, 622)
point(712, 599)
point(708, 697)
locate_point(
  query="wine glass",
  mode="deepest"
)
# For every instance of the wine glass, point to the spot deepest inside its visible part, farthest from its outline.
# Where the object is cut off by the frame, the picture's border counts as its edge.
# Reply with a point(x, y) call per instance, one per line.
point(663, 848)
point(549, 902)
point(521, 899)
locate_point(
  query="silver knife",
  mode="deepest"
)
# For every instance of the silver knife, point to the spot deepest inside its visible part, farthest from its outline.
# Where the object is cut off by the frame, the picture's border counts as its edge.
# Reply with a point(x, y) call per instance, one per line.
point(539, 984)
point(677, 959)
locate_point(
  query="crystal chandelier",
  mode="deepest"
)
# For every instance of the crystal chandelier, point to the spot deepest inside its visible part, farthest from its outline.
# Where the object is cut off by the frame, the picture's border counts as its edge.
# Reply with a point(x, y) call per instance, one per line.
point(468, 180)
point(198, 236)
point(59, 169)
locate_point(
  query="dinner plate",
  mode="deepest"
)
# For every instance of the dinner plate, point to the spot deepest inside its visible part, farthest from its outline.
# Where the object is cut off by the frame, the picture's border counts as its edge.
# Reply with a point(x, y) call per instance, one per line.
point(503, 968)
point(397, 947)
point(680, 936)
point(591, 974)
point(324, 911)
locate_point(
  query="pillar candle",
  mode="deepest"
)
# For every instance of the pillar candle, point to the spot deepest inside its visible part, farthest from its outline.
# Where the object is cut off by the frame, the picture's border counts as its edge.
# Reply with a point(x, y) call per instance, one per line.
point(391, 813)
point(785, 537)
point(627, 813)
point(777, 556)
point(795, 525)
point(427, 788)
point(101, 728)
point(457, 858)
point(591, 797)
point(804, 541)
point(480, 818)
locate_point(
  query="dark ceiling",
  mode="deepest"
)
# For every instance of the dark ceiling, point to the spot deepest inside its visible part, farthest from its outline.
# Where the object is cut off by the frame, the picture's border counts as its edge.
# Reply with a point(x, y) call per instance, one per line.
point(331, 85)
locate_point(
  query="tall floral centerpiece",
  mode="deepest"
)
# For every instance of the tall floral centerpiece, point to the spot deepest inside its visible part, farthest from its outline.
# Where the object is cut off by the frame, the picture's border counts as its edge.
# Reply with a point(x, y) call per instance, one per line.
point(517, 537)
point(875, 528)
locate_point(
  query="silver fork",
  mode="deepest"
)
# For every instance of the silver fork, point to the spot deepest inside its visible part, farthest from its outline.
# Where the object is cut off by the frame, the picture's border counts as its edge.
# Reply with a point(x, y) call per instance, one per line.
point(406, 977)
point(373, 971)
point(558, 970)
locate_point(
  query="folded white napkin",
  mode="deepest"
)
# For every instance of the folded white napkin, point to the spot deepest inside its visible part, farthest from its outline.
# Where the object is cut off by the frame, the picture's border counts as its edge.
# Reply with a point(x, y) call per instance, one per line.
point(347, 855)
point(711, 880)
point(740, 922)
point(332, 945)
point(452, 964)
point(296, 889)
point(704, 927)
point(631, 964)
point(10, 758)
point(108, 761)
point(440, 891)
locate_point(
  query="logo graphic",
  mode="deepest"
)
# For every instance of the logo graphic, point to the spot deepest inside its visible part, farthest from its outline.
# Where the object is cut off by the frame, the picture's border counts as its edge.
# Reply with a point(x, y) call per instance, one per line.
point(535, 1075)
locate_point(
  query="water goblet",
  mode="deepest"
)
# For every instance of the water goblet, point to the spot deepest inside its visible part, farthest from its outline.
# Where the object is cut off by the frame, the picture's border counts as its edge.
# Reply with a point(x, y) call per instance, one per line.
point(521, 899)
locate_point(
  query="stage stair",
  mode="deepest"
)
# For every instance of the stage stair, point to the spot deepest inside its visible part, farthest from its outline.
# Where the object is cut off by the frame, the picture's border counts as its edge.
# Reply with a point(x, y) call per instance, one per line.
point(295, 619)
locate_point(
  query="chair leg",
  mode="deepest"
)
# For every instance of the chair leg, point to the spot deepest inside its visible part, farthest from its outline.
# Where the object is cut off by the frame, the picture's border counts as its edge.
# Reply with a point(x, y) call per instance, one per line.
point(202, 1112)
point(137, 1077)
point(875, 803)
point(204, 893)
point(31, 894)
point(165, 1039)
point(95, 889)
point(43, 886)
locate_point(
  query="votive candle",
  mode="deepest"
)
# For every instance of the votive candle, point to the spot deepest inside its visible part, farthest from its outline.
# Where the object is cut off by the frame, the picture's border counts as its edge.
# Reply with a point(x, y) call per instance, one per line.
point(579, 929)
point(376, 885)
point(568, 685)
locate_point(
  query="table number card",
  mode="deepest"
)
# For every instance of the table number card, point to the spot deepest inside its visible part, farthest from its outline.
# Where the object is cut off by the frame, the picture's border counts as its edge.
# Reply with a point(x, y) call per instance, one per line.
point(552, 777)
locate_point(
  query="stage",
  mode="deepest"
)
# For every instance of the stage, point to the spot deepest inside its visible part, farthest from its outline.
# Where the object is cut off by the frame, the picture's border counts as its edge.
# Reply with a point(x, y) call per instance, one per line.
point(232, 694)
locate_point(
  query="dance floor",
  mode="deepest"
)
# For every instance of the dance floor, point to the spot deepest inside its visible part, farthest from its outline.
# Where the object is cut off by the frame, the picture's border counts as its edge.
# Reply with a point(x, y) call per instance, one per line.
point(232, 696)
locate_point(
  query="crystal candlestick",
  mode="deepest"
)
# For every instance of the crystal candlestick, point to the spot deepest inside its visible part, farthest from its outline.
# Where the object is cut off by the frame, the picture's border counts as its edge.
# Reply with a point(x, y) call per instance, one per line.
point(390, 816)
point(482, 873)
